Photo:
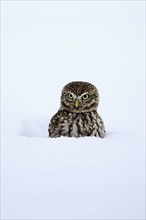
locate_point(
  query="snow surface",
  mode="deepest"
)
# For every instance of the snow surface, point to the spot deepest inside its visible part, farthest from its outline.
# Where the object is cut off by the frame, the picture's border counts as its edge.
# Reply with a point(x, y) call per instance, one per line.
point(44, 46)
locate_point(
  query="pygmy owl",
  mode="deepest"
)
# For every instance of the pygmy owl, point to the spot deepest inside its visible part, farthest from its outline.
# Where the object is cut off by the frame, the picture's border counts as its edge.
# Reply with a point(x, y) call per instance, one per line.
point(77, 116)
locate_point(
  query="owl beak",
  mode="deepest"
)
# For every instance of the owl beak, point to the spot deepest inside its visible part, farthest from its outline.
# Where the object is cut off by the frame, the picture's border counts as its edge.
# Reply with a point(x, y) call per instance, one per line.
point(76, 103)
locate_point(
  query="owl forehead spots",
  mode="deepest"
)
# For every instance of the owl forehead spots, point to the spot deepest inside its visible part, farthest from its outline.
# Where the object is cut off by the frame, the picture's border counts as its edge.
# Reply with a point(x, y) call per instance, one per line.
point(80, 88)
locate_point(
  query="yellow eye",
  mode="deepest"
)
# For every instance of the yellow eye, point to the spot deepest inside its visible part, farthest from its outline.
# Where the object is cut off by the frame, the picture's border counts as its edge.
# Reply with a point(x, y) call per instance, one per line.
point(85, 97)
point(70, 96)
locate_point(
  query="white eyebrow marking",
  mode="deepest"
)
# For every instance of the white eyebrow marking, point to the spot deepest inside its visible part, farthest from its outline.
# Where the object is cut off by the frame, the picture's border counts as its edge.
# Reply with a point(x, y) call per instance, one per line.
point(85, 93)
point(78, 97)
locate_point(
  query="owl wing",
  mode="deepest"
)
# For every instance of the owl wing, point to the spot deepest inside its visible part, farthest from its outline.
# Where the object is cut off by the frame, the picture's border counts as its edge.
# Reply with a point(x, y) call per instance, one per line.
point(54, 129)
point(100, 124)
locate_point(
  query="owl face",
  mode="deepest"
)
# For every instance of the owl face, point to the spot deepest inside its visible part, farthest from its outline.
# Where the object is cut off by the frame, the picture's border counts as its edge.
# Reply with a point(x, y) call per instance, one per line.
point(79, 97)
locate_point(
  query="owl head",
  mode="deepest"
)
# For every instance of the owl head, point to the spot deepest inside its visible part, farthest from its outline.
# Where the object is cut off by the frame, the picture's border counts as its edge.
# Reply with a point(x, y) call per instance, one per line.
point(79, 97)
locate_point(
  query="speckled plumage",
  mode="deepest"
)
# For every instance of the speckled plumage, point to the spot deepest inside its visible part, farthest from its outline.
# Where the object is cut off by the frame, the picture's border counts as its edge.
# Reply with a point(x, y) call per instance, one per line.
point(77, 116)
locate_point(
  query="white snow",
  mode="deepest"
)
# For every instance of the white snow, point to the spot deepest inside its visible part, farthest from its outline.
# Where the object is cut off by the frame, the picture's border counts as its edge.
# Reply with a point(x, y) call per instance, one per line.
point(44, 46)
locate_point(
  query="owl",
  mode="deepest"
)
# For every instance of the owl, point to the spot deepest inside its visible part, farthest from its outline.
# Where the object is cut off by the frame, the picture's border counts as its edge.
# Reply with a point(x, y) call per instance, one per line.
point(77, 116)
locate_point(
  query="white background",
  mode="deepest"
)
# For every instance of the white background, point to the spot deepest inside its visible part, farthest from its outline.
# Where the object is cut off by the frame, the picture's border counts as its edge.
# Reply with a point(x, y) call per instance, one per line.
point(45, 45)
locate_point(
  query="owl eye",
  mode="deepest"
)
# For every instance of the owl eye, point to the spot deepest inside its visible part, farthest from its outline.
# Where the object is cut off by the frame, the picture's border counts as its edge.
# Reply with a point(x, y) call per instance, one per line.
point(85, 97)
point(70, 96)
